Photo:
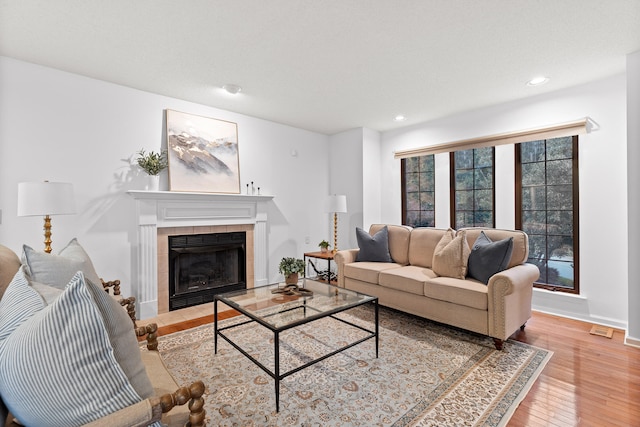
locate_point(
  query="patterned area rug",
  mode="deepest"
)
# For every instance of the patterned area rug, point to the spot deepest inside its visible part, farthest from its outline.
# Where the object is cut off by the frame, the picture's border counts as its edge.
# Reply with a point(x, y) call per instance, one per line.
point(427, 374)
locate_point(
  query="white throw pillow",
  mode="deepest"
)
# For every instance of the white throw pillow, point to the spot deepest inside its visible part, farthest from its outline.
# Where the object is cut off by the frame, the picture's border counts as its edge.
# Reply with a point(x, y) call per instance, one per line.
point(57, 270)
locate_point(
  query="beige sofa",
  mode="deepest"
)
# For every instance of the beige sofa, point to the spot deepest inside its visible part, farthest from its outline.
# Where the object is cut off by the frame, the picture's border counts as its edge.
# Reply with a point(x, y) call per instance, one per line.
point(409, 284)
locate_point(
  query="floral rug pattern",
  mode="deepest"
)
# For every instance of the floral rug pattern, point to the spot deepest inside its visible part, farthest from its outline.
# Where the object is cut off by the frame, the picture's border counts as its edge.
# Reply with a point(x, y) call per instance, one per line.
point(427, 374)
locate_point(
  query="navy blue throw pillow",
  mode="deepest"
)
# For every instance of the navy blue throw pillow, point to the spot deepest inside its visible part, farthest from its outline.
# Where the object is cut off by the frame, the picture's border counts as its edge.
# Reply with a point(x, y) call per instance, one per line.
point(373, 248)
point(488, 258)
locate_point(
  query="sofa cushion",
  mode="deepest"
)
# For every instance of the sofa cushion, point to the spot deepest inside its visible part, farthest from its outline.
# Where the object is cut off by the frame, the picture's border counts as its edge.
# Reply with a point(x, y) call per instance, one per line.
point(373, 248)
point(367, 271)
point(408, 278)
point(9, 265)
point(488, 258)
point(451, 255)
point(61, 366)
point(520, 252)
point(399, 236)
point(422, 245)
point(57, 270)
point(469, 292)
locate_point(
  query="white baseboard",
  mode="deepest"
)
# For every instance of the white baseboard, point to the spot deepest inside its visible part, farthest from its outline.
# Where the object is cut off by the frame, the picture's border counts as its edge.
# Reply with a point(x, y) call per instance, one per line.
point(631, 341)
point(572, 307)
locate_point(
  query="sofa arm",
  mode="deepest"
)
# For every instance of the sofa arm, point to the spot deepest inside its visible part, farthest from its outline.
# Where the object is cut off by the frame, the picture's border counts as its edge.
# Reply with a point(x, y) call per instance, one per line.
point(341, 258)
point(510, 293)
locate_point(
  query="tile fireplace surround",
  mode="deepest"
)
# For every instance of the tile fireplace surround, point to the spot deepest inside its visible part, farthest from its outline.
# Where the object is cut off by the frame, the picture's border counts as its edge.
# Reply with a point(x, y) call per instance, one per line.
point(163, 213)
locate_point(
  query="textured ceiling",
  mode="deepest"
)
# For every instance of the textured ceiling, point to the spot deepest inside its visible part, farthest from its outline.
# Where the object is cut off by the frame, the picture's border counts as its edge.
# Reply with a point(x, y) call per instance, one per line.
point(329, 65)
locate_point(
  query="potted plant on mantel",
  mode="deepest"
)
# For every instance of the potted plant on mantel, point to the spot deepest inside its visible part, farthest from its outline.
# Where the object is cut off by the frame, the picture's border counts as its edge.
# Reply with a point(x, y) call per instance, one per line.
point(324, 246)
point(152, 163)
point(290, 268)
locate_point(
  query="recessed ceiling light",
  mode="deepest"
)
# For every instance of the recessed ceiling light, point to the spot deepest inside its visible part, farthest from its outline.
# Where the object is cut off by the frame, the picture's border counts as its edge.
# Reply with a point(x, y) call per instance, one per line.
point(399, 118)
point(537, 81)
point(232, 89)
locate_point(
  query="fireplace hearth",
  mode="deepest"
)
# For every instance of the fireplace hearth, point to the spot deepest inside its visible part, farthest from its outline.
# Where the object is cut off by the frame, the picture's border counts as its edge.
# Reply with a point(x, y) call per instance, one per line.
point(202, 265)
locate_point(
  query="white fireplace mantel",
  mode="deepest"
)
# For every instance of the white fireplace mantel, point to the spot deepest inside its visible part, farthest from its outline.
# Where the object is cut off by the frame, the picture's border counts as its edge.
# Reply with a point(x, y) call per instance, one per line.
point(159, 209)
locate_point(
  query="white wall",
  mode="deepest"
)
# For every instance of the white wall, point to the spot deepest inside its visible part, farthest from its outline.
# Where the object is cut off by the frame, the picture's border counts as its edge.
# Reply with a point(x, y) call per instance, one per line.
point(65, 127)
point(371, 181)
point(603, 184)
point(633, 195)
point(345, 171)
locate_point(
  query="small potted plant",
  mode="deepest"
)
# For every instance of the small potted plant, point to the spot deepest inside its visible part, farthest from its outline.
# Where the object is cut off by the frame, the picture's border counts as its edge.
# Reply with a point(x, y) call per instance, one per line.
point(290, 268)
point(152, 163)
point(324, 246)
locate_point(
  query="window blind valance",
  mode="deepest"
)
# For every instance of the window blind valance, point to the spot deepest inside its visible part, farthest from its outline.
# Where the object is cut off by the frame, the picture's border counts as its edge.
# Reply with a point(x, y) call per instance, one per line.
point(577, 127)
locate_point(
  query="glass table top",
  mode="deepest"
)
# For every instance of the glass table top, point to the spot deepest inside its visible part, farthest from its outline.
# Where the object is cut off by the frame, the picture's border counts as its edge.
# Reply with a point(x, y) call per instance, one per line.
point(279, 311)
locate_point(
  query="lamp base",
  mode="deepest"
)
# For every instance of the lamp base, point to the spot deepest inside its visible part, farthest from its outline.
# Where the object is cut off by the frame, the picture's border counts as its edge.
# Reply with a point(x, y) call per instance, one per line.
point(335, 232)
point(47, 234)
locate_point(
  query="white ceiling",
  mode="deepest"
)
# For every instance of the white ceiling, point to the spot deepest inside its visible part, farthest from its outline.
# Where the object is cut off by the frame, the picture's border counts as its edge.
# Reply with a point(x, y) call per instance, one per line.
point(329, 65)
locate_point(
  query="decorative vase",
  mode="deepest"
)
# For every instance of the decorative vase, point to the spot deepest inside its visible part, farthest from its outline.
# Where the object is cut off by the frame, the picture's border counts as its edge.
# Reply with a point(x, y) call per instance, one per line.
point(324, 250)
point(291, 279)
point(152, 183)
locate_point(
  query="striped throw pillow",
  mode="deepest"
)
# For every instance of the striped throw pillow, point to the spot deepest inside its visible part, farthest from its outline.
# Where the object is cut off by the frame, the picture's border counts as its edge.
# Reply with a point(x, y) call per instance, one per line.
point(20, 301)
point(58, 367)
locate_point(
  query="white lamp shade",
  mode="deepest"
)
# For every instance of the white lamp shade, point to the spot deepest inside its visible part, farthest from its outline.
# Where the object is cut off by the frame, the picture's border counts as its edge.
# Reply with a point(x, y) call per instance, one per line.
point(337, 203)
point(45, 198)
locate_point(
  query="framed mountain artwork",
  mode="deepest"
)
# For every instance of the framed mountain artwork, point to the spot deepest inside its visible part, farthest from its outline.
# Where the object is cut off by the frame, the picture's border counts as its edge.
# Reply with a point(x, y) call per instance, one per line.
point(203, 154)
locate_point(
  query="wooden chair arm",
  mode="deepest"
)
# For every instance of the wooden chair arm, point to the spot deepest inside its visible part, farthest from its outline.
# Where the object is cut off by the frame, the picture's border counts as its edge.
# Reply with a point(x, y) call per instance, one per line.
point(115, 284)
point(151, 331)
point(191, 395)
point(130, 305)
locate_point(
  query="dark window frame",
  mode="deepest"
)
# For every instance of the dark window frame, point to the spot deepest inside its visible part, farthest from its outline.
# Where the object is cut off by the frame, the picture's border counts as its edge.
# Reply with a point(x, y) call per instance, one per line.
point(403, 175)
point(452, 188)
point(576, 215)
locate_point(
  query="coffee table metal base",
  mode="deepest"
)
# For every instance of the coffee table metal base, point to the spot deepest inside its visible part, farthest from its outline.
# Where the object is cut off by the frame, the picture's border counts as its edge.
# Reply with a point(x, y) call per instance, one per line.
point(276, 374)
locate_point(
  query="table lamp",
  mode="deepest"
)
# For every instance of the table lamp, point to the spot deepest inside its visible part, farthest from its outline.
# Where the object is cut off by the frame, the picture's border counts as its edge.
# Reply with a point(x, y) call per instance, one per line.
point(45, 199)
point(336, 203)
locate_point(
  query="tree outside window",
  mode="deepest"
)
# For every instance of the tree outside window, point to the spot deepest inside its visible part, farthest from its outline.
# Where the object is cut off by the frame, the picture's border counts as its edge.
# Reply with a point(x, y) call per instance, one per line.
point(418, 191)
point(473, 190)
point(546, 205)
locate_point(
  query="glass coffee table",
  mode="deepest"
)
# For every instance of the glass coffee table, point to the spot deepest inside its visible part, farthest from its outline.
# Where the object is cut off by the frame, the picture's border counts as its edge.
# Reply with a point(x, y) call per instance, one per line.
point(280, 312)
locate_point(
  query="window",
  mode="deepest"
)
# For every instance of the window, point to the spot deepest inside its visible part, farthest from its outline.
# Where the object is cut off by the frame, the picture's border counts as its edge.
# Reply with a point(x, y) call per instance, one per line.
point(418, 191)
point(547, 208)
point(472, 189)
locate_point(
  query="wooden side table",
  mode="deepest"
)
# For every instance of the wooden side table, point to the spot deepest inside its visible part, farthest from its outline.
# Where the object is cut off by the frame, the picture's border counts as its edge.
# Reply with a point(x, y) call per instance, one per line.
point(328, 256)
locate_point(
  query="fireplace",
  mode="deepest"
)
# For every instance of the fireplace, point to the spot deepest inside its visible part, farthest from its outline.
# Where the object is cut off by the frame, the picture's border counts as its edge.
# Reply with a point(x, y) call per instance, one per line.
point(202, 265)
point(160, 214)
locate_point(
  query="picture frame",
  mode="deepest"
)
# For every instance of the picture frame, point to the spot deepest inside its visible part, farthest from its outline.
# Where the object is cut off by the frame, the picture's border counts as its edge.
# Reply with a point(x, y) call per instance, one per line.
point(202, 154)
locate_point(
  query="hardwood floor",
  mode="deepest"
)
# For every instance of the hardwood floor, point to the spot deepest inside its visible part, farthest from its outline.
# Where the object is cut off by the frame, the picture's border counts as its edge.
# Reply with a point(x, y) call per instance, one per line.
point(589, 381)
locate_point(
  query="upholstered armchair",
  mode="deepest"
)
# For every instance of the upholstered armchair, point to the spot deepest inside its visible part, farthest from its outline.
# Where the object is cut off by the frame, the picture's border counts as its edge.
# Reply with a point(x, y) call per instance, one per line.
point(83, 319)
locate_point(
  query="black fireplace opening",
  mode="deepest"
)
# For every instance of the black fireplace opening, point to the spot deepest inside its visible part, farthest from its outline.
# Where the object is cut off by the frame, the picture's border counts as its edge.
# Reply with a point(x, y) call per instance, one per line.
point(203, 265)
